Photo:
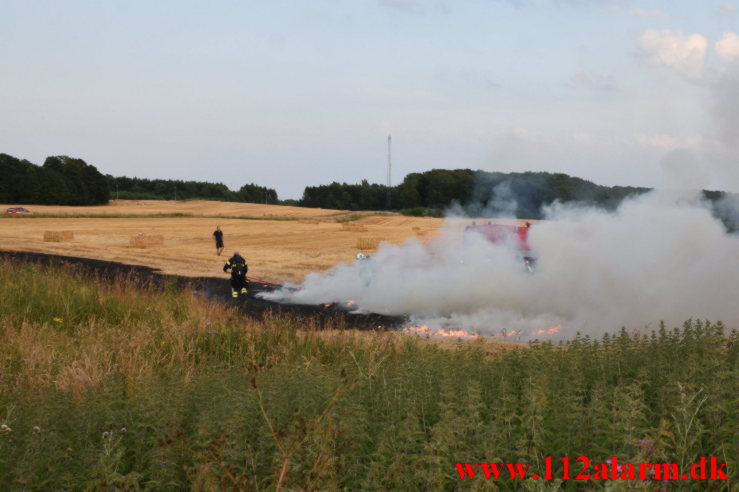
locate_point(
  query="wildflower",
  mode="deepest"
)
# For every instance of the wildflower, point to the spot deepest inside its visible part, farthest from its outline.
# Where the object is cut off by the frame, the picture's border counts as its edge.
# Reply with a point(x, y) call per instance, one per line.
point(123, 430)
point(647, 444)
point(5, 429)
point(58, 320)
point(106, 435)
point(36, 429)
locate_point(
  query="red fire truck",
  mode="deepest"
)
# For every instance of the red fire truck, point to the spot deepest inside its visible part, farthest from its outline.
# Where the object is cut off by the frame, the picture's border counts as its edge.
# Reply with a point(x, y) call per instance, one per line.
point(517, 236)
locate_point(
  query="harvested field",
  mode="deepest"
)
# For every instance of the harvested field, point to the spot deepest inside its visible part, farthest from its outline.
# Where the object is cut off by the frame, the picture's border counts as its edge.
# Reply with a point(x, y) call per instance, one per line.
point(284, 247)
point(353, 227)
point(198, 208)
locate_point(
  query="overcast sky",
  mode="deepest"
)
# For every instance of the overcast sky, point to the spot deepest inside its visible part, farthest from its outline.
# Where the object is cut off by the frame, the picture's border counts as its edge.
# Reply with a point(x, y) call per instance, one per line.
point(294, 93)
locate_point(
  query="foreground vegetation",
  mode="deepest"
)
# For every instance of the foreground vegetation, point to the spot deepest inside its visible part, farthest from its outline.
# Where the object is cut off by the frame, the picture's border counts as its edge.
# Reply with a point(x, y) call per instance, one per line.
point(106, 384)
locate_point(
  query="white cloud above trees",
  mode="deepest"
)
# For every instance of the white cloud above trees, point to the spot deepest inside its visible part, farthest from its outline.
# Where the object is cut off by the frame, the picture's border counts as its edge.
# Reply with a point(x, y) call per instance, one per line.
point(685, 53)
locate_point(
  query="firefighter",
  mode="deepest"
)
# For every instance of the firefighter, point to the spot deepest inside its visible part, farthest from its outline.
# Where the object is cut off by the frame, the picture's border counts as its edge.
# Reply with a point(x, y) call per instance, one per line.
point(238, 267)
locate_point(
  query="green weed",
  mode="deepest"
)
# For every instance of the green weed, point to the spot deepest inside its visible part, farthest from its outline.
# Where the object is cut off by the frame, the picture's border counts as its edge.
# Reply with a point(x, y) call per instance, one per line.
point(111, 384)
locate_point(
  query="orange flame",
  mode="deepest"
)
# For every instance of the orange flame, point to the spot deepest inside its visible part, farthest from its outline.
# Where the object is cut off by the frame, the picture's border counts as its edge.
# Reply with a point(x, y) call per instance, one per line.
point(549, 331)
point(350, 303)
point(425, 330)
point(440, 332)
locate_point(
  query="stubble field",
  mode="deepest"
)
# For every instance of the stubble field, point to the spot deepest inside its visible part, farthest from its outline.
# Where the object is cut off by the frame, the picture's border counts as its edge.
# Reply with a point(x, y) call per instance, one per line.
point(280, 243)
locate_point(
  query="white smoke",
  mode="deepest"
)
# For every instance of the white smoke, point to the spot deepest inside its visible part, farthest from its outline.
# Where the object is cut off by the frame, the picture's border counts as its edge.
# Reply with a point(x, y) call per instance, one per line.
point(660, 256)
point(502, 202)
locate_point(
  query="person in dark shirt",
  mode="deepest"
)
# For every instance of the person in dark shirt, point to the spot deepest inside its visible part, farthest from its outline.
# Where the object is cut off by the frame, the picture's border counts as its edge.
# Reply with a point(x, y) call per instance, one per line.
point(238, 267)
point(218, 236)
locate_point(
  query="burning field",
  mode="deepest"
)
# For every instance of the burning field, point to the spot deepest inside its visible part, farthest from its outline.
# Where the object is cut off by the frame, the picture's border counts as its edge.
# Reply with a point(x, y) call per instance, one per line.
point(659, 257)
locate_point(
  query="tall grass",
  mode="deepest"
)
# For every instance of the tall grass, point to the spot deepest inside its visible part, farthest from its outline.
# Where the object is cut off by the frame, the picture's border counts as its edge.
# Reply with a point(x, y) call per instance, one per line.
point(108, 384)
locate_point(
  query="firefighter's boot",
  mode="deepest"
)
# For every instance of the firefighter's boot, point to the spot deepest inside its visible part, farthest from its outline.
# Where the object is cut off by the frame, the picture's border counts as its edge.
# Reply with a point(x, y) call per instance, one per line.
point(234, 293)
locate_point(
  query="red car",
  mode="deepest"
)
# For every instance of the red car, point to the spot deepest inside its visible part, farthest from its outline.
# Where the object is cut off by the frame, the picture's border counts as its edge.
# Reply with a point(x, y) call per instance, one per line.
point(17, 210)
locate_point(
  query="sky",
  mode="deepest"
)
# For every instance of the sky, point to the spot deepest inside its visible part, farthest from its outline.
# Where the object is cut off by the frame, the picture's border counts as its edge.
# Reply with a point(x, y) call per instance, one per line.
point(287, 94)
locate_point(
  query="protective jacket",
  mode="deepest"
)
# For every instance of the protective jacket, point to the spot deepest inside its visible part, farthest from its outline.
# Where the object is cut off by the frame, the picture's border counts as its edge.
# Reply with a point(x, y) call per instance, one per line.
point(238, 267)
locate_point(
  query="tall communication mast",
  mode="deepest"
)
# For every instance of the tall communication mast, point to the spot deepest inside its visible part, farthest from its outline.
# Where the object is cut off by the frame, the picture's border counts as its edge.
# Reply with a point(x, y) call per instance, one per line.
point(389, 168)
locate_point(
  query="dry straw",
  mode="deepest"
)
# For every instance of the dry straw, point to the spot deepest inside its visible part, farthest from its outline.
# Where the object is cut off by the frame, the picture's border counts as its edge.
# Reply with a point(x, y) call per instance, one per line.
point(58, 236)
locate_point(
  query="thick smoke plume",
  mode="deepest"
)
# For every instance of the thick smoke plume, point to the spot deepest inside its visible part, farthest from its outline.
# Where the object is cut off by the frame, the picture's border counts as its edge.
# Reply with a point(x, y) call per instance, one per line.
point(660, 256)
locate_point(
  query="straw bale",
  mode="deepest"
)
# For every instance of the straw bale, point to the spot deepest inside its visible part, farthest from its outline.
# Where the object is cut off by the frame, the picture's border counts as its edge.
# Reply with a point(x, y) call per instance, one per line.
point(58, 236)
point(368, 243)
point(145, 241)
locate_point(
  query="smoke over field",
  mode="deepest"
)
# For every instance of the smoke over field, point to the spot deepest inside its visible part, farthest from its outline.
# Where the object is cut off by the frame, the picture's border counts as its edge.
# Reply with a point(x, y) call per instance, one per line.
point(660, 256)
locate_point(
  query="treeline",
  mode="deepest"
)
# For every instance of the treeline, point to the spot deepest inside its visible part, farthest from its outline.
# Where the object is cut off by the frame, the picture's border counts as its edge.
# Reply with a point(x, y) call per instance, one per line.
point(125, 188)
point(476, 192)
point(61, 180)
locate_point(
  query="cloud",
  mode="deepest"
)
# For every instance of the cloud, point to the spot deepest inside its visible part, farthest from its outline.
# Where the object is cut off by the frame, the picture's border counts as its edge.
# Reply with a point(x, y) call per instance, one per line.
point(685, 54)
point(728, 47)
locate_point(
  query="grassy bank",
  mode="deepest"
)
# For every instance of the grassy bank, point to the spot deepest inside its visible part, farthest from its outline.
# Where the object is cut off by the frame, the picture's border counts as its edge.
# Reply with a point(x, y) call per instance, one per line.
point(106, 384)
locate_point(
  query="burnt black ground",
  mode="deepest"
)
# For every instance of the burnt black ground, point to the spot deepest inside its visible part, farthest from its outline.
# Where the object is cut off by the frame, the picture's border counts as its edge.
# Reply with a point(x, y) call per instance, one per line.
point(214, 288)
